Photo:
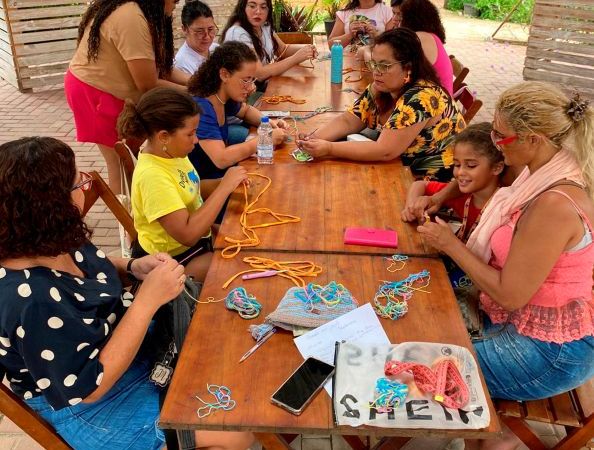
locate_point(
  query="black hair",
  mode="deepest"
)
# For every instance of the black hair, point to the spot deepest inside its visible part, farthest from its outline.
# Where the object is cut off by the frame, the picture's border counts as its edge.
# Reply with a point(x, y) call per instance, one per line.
point(406, 48)
point(356, 4)
point(230, 56)
point(159, 24)
point(478, 135)
point(422, 15)
point(239, 16)
point(161, 108)
point(37, 215)
point(193, 10)
point(395, 3)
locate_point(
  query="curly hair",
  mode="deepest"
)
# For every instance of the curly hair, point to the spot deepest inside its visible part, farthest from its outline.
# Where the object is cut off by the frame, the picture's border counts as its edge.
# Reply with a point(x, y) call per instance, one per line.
point(37, 215)
point(230, 56)
point(239, 16)
point(161, 28)
point(478, 135)
point(161, 108)
point(406, 49)
point(193, 10)
point(422, 15)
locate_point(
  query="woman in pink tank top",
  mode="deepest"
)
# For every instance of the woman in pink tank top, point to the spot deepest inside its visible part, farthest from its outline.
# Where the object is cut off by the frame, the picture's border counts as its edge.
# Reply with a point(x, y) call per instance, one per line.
point(532, 254)
point(422, 17)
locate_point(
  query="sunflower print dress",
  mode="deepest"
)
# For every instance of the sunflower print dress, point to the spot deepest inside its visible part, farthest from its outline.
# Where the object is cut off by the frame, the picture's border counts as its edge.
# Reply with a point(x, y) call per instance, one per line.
point(430, 154)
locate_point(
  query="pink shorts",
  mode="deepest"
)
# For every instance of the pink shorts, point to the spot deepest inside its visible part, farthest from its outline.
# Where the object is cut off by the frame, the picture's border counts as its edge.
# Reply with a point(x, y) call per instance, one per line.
point(95, 111)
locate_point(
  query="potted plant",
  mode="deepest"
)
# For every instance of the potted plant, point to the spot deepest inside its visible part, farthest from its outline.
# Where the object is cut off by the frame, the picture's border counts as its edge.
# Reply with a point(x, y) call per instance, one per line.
point(293, 22)
point(470, 9)
point(330, 8)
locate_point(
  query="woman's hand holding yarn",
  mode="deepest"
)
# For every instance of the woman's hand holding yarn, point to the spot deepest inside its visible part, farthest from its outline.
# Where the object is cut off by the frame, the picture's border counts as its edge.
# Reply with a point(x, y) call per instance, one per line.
point(162, 284)
point(317, 148)
point(438, 234)
point(141, 267)
point(279, 135)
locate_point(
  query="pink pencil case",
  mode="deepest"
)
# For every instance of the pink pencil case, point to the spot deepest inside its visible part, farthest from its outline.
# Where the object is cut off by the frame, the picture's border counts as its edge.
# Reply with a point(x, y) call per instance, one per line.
point(374, 237)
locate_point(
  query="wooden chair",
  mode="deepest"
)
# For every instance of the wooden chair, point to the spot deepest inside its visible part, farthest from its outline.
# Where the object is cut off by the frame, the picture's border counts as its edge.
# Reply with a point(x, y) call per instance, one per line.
point(127, 150)
point(460, 72)
point(28, 420)
point(574, 410)
point(470, 104)
point(100, 189)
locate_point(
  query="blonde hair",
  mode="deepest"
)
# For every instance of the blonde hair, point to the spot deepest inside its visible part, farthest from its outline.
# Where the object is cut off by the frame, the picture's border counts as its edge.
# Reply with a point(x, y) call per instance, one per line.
point(542, 109)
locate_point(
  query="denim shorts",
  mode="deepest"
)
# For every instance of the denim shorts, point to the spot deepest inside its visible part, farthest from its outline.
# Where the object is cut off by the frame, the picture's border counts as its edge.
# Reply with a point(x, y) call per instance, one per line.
point(124, 418)
point(518, 367)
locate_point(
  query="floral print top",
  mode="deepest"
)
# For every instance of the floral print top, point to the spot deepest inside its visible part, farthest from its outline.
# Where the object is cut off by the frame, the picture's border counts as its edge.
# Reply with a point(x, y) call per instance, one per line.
point(430, 154)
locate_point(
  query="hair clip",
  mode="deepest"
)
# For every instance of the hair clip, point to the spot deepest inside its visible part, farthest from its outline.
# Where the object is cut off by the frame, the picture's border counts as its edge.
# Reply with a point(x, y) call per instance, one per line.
point(577, 108)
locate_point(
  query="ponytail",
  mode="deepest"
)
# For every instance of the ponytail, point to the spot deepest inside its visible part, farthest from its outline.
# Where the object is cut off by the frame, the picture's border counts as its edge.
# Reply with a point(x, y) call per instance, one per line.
point(159, 109)
point(583, 137)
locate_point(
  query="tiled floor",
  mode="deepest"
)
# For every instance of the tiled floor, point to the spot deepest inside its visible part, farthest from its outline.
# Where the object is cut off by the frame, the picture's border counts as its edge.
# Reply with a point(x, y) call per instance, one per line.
point(493, 67)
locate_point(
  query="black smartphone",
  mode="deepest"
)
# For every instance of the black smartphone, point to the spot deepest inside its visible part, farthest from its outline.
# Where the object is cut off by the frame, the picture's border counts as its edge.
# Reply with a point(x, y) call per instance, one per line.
point(302, 386)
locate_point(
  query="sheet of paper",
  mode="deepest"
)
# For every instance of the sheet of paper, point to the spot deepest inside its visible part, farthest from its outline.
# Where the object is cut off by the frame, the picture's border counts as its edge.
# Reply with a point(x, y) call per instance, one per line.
point(360, 325)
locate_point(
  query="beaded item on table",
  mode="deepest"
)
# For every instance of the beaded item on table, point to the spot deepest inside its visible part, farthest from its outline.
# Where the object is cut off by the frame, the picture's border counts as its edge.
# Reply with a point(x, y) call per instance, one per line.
point(251, 238)
point(245, 304)
point(276, 99)
point(292, 270)
point(390, 395)
point(222, 394)
point(312, 306)
point(259, 331)
point(398, 293)
point(443, 380)
point(397, 262)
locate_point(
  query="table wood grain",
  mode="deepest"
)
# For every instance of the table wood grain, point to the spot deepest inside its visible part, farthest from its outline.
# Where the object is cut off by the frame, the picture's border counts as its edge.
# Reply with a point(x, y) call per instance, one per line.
point(328, 196)
point(217, 338)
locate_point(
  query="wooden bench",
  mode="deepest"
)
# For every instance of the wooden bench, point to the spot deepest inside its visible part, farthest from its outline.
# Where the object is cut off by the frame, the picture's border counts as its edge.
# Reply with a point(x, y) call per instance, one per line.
point(574, 410)
point(470, 103)
point(460, 72)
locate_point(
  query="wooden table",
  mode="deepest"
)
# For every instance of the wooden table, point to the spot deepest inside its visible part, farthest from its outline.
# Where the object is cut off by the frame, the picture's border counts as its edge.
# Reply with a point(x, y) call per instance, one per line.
point(328, 197)
point(314, 86)
point(218, 338)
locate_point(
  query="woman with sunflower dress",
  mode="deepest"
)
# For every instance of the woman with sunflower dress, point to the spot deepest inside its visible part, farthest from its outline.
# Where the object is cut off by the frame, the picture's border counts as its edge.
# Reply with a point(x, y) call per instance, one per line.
point(415, 116)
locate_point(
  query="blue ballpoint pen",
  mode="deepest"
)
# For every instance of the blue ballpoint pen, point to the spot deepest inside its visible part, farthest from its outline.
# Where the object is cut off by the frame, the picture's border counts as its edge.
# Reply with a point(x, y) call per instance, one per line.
point(258, 344)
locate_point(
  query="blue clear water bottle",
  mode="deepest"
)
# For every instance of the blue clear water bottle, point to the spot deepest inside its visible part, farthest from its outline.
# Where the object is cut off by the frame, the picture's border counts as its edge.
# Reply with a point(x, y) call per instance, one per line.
point(265, 146)
point(336, 62)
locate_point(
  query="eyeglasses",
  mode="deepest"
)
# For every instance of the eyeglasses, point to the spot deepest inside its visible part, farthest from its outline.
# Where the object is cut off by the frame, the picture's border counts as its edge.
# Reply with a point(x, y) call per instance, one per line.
point(499, 142)
point(248, 83)
point(379, 67)
point(85, 183)
point(202, 32)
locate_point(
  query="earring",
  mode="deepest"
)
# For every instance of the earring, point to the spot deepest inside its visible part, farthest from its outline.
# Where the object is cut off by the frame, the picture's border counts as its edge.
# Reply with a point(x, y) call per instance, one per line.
point(407, 78)
point(165, 150)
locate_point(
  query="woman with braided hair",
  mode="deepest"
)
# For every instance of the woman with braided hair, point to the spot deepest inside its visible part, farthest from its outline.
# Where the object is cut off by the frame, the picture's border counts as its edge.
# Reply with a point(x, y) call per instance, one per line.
point(125, 48)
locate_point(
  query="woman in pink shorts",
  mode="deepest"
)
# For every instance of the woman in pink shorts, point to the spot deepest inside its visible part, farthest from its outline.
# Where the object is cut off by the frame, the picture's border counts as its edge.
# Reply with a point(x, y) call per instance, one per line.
point(124, 49)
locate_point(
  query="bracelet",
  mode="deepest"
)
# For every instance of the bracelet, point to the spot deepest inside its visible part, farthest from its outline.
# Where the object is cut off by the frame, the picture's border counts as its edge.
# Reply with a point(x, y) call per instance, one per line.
point(129, 270)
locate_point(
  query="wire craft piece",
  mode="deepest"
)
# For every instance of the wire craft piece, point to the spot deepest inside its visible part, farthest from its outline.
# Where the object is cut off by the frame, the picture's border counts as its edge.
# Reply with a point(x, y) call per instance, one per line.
point(251, 238)
point(245, 304)
point(276, 99)
point(222, 394)
point(443, 380)
point(397, 262)
point(292, 270)
point(390, 395)
point(259, 331)
point(398, 293)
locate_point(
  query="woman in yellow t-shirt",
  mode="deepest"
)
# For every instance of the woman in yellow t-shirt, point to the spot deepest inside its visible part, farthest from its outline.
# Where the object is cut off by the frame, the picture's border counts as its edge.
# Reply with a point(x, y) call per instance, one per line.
point(125, 48)
point(414, 116)
point(169, 213)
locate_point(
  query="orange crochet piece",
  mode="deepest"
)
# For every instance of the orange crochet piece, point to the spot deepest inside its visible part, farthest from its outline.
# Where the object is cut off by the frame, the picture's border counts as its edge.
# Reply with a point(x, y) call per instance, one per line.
point(276, 99)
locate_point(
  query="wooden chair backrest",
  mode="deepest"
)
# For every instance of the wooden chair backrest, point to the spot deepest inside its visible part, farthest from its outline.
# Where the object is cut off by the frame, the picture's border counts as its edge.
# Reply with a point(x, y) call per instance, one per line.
point(127, 150)
point(28, 420)
point(100, 189)
point(460, 72)
point(470, 104)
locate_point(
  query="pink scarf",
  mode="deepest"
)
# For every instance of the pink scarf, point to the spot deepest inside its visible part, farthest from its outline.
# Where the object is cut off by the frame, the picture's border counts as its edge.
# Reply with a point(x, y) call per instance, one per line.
point(508, 200)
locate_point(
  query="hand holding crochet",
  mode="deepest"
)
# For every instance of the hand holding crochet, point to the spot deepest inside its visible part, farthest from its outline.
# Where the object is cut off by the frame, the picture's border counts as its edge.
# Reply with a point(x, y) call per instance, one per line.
point(318, 148)
point(438, 234)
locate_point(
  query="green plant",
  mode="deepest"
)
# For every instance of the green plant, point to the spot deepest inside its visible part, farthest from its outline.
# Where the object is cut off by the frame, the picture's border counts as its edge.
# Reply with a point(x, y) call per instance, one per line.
point(330, 7)
point(289, 18)
point(497, 9)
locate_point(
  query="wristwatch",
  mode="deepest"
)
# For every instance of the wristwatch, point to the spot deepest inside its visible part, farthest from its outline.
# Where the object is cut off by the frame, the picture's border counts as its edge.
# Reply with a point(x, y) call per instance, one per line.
point(129, 270)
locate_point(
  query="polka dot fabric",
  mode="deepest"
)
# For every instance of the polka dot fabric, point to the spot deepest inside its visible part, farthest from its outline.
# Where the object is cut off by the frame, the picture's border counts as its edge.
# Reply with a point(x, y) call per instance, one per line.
point(53, 325)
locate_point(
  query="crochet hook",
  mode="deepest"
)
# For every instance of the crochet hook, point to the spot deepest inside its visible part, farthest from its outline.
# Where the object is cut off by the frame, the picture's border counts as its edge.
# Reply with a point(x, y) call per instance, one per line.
point(258, 344)
point(265, 274)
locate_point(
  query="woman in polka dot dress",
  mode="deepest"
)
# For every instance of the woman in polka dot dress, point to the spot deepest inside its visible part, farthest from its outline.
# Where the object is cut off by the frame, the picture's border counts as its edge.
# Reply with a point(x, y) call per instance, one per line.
point(71, 340)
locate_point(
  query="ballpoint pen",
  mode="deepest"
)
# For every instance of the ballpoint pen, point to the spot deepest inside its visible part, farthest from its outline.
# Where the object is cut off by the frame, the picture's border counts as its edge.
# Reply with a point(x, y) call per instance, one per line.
point(258, 344)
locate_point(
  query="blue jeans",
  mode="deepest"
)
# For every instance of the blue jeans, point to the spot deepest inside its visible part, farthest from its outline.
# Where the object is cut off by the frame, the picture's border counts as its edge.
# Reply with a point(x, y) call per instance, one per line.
point(124, 418)
point(237, 134)
point(518, 367)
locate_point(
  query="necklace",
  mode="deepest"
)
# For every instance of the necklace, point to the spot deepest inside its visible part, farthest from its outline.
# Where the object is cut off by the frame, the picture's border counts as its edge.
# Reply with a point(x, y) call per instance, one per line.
point(219, 99)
